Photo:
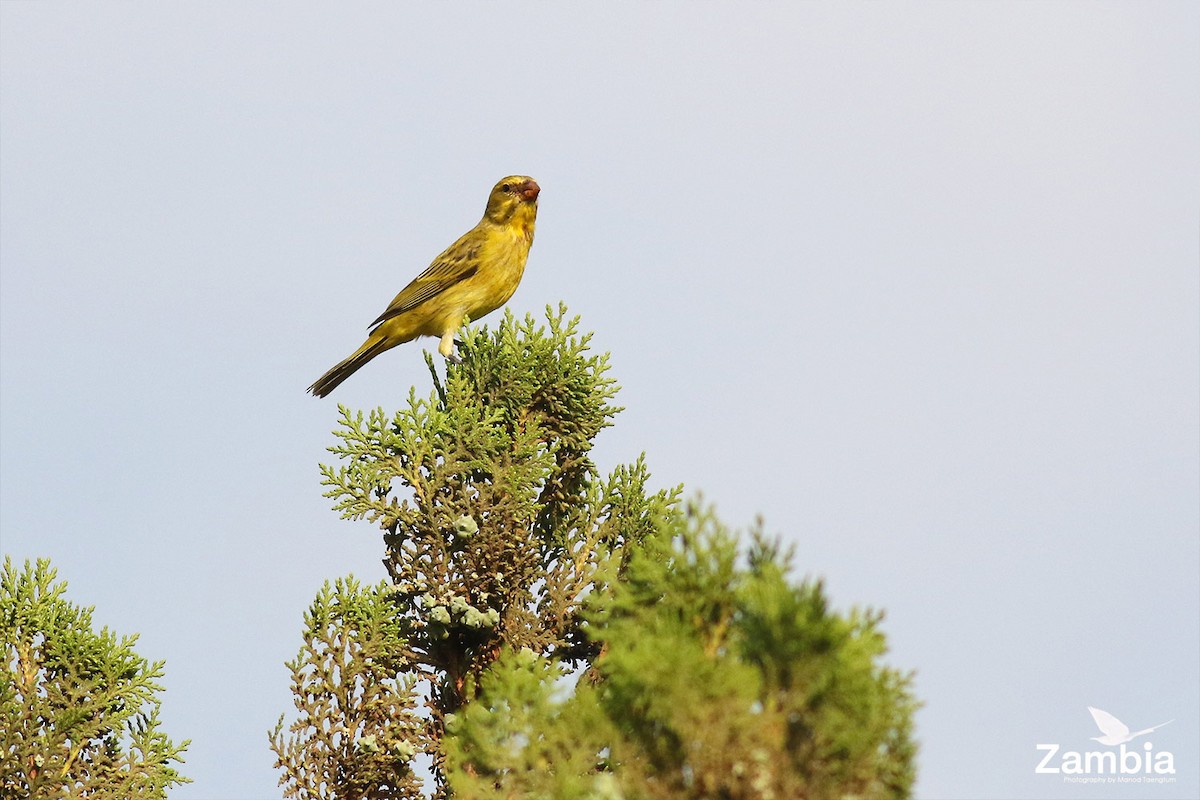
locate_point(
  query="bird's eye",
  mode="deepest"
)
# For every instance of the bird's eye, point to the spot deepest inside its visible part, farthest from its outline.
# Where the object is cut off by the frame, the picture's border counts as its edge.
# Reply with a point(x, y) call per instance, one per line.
point(505, 188)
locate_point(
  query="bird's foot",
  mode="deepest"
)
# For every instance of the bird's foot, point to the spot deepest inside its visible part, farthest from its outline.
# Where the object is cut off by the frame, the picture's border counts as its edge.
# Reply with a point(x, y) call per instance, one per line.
point(451, 353)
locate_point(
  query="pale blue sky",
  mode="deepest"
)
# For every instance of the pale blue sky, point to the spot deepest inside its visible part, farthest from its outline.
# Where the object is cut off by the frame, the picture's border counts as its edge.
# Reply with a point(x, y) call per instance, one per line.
point(918, 283)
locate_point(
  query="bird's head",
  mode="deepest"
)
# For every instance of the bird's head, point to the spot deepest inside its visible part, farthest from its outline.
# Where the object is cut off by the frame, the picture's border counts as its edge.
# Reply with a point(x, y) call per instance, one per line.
point(513, 199)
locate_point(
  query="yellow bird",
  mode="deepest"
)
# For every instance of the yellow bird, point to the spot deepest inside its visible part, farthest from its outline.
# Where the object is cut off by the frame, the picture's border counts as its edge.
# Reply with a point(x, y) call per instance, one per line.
point(474, 276)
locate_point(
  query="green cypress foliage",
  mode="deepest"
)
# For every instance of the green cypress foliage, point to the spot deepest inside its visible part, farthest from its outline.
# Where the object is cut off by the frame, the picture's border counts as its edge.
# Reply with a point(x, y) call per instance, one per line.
point(78, 709)
point(549, 631)
point(357, 728)
point(717, 678)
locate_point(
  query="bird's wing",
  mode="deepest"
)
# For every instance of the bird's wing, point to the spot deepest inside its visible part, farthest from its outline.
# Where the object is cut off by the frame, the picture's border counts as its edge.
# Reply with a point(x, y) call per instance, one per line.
point(1108, 724)
point(459, 262)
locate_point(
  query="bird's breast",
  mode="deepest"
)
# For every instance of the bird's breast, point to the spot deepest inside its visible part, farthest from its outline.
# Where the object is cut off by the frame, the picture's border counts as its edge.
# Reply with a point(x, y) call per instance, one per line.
point(502, 263)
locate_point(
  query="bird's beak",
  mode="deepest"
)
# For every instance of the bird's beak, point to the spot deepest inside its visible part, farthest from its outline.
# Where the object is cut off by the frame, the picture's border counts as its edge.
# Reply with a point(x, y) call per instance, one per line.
point(530, 190)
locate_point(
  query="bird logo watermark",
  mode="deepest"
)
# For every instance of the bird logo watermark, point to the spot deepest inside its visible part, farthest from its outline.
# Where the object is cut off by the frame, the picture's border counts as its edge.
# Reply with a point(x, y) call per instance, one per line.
point(1121, 761)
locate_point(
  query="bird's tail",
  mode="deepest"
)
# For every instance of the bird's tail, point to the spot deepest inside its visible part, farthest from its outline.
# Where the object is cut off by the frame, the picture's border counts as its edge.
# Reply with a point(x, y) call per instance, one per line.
point(348, 366)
